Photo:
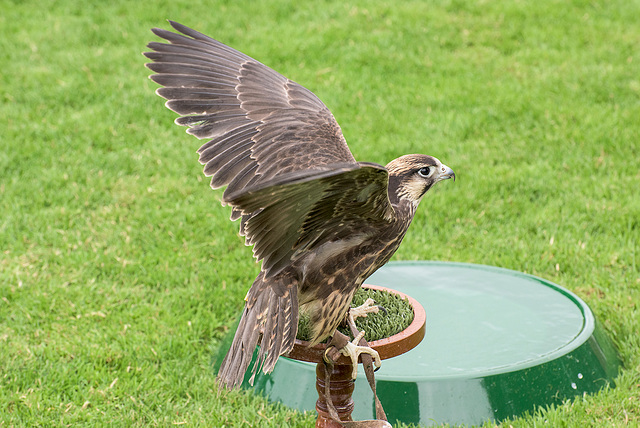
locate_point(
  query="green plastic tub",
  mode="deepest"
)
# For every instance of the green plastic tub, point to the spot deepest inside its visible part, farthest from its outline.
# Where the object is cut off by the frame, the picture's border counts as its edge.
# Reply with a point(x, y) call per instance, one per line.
point(499, 343)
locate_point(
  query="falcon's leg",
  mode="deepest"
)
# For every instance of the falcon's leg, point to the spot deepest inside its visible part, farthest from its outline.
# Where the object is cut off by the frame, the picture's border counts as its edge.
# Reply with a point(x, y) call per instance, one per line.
point(353, 349)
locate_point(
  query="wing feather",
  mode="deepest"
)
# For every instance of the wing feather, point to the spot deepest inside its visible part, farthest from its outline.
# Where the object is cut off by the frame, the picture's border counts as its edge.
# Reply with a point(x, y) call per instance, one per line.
point(304, 210)
point(259, 123)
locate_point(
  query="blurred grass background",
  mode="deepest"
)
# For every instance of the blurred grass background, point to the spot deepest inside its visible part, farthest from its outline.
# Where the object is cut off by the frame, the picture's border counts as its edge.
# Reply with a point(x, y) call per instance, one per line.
point(120, 272)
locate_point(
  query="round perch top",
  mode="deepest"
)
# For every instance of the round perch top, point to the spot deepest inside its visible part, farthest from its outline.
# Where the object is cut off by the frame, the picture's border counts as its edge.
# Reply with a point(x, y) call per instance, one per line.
point(388, 347)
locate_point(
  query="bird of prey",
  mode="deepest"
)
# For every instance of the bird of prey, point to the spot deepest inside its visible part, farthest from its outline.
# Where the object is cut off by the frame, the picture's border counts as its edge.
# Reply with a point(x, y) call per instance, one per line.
point(319, 221)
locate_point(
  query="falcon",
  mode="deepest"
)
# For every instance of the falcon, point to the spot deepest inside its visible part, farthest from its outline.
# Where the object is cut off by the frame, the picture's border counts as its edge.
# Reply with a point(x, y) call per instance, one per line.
point(319, 221)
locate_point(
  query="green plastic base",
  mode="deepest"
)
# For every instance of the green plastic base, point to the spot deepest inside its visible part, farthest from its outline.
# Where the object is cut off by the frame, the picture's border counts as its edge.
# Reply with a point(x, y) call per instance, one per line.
point(499, 343)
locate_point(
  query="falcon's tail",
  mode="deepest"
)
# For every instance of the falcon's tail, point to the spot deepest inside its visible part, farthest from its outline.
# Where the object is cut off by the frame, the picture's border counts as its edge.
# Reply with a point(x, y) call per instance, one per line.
point(270, 319)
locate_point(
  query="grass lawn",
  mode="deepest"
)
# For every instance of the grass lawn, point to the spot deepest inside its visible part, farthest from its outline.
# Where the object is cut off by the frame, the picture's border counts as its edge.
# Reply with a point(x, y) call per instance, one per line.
point(120, 272)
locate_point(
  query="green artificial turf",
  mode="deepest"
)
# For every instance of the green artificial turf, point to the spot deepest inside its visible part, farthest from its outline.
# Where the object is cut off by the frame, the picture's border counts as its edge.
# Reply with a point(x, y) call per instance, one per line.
point(396, 315)
point(120, 272)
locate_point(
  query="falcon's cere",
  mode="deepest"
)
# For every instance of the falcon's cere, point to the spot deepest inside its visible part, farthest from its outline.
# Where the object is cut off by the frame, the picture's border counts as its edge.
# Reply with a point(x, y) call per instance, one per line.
point(319, 221)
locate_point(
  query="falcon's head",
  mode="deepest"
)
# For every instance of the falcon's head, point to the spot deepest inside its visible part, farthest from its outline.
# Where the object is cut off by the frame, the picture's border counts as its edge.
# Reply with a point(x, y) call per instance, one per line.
point(410, 176)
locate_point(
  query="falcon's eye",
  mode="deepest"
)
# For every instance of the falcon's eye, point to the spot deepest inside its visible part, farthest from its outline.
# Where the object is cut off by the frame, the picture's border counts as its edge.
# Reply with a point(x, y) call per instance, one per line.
point(425, 171)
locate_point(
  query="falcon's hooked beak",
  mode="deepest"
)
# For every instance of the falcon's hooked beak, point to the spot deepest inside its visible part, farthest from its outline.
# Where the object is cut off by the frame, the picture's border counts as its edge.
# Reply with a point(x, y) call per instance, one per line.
point(446, 173)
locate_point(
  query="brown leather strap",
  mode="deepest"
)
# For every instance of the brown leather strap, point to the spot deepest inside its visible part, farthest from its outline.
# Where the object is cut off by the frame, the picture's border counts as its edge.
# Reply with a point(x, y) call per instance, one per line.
point(367, 363)
point(338, 341)
point(327, 391)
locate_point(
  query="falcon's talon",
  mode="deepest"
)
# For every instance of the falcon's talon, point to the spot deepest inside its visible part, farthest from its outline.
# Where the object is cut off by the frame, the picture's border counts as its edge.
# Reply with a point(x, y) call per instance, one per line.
point(353, 351)
point(363, 310)
point(366, 308)
point(325, 357)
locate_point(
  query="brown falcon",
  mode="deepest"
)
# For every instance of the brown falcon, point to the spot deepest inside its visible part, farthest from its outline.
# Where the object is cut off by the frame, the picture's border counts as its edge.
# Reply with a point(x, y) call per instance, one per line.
point(319, 221)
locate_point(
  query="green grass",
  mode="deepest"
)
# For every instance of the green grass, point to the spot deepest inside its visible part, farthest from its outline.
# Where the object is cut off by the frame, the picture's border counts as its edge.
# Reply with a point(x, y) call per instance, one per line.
point(120, 273)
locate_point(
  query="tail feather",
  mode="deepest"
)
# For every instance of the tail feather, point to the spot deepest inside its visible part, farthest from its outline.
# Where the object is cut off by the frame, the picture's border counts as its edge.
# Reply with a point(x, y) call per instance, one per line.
point(271, 338)
point(270, 318)
point(289, 317)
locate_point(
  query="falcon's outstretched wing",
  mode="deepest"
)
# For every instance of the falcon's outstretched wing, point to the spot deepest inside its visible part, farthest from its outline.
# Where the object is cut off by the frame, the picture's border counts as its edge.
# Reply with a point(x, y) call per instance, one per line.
point(259, 123)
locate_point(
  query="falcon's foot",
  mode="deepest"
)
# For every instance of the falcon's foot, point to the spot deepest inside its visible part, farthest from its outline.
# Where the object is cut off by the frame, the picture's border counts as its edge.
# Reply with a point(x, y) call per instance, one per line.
point(353, 351)
point(367, 307)
point(340, 343)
